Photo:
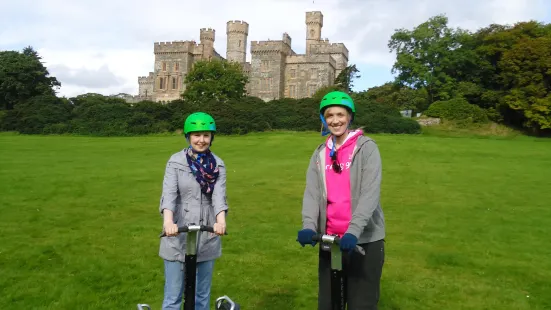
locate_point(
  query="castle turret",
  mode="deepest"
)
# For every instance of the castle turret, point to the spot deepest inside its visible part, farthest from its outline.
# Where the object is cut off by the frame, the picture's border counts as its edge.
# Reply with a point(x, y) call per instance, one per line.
point(314, 23)
point(237, 32)
point(206, 36)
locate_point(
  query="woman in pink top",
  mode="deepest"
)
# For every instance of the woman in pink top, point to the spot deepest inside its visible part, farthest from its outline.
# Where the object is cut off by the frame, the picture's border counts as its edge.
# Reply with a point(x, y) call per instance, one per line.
point(342, 197)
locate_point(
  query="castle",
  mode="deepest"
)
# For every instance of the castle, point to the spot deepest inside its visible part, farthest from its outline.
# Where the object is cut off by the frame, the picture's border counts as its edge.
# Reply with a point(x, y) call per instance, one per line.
point(275, 70)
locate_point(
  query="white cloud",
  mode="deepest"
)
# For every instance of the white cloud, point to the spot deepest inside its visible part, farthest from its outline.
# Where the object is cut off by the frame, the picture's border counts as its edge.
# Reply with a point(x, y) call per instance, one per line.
point(369, 27)
point(103, 46)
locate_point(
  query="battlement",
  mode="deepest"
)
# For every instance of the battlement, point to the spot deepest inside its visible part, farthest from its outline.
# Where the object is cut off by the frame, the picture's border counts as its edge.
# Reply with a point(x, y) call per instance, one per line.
point(329, 48)
point(146, 79)
point(207, 34)
point(314, 17)
point(311, 59)
point(238, 26)
point(174, 47)
point(286, 39)
point(143, 79)
point(270, 46)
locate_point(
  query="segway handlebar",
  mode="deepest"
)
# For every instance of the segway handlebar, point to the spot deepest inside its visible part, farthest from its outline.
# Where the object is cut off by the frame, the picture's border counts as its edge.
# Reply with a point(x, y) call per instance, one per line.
point(188, 228)
point(334, 240)
point(326, 238)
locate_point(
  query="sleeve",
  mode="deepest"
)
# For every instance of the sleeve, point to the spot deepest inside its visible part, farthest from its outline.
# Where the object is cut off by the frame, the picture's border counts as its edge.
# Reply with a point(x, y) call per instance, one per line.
point(219, 198)
point(310, 201)
point(370, 191)
point(169, 197)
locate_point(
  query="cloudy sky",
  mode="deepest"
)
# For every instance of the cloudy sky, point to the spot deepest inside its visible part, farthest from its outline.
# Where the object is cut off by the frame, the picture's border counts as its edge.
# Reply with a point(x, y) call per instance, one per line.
point(103, 46)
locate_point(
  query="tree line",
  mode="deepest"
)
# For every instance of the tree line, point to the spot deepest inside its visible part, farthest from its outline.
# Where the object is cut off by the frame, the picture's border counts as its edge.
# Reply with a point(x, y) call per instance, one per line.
point(500, 73)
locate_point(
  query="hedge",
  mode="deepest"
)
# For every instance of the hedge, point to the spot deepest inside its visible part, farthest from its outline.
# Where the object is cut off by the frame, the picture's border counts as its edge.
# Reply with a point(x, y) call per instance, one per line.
point(92, 115)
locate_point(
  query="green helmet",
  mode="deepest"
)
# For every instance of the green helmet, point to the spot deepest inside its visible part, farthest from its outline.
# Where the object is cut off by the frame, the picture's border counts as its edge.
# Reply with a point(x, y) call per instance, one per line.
point(199, 121)
point(337, 98)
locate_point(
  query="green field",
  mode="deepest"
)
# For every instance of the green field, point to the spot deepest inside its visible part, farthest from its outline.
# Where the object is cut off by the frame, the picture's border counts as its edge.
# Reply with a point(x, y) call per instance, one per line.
point(468, 222)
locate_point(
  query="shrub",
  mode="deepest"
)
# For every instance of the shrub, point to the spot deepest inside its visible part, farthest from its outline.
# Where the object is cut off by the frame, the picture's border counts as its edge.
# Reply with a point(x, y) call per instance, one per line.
point(94, 114)
point(457, 109)
point(377, 117)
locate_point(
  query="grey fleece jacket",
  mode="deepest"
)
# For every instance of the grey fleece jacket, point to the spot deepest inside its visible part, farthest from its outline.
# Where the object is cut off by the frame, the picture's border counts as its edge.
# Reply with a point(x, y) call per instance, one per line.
point(182, 195)
point(368, 222)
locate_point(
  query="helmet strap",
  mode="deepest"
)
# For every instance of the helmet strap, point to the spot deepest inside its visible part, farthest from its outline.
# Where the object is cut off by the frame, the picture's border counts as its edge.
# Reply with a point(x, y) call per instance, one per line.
point(325, 131)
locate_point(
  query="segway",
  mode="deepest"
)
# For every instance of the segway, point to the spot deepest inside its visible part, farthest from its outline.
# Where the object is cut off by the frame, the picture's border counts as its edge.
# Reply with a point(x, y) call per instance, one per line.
point(338, 279)
point(222, 303)
point(190, 276)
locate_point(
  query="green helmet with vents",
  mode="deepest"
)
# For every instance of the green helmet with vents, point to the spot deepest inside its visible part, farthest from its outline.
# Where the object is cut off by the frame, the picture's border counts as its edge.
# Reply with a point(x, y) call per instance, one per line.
point(337, 98)
point(199, 121)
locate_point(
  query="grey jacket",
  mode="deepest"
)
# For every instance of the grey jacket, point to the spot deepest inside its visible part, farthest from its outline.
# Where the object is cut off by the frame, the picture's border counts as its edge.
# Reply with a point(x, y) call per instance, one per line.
point(182, 195)
point(368, 223)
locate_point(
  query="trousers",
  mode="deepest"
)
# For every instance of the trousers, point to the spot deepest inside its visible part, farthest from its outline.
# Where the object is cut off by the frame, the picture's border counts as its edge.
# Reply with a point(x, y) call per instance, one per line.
point(362, 275)
point(175, 283)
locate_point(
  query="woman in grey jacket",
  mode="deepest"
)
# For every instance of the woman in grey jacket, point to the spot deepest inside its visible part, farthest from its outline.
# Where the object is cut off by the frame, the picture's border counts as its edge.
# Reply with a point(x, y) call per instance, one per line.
point(194, 192)
point(342, 197)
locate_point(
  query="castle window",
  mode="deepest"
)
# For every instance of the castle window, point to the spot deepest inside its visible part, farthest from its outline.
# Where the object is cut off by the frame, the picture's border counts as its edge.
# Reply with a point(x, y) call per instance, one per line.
point(292, 91)
point(239, 44)
point(266, 84)
point(313, 73)
point(161, 83)
point(164, 66)
point(265, 65)
point(177, 66)
point(174, 83)
point(311, 90)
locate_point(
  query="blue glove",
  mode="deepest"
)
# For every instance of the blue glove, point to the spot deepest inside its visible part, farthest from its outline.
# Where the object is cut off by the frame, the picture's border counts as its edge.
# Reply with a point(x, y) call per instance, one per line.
point(348, 242)
point(305, 237)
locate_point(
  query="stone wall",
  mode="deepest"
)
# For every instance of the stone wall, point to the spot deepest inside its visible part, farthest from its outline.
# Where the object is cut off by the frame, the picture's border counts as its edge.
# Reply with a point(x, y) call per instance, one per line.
point(207, 36)
point(145, 84)
point(237, 32)
point(304, 74)
point(170, 70)
point(428, 121)
point(275, 70)
point(268, 68)
point(314, 24)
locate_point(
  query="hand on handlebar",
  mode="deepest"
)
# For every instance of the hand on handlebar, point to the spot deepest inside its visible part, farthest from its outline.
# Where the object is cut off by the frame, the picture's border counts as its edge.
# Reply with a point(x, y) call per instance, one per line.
point(219, 228)
point(348, 242)
point(305, 237)
point(170, 229)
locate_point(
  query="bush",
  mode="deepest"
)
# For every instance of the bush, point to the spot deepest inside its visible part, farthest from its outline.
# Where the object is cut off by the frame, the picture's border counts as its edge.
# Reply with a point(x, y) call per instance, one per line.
point(457, 109)
point(94, 114)
point(377, 117)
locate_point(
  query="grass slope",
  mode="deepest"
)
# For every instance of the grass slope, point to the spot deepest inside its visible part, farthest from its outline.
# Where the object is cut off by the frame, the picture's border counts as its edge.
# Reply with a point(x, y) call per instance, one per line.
point(467, 222)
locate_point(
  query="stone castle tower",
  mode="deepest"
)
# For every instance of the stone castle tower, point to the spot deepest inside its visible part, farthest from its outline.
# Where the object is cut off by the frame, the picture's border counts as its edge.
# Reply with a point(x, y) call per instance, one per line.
point(275, 70)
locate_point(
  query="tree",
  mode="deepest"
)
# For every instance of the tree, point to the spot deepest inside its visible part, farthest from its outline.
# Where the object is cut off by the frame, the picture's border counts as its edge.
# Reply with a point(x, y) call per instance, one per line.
point(397, 96)
point(429, 56)
point(215, 80)
point(318, 95)
point(23, 76)
point(526, 72)
point(346, 77)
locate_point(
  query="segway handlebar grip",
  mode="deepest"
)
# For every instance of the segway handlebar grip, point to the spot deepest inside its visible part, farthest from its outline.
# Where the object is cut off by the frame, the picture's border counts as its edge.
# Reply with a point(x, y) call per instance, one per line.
point(335, 240)
point(326, 238)
point(187, 228)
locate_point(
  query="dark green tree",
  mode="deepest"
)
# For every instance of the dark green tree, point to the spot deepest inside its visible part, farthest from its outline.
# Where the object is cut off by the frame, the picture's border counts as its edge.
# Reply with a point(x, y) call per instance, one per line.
point(23, 76)
point(345, 79)
point(217, 80)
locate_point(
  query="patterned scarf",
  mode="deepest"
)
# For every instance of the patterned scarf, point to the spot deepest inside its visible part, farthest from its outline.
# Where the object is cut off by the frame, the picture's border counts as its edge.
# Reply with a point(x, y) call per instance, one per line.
point(205, 169)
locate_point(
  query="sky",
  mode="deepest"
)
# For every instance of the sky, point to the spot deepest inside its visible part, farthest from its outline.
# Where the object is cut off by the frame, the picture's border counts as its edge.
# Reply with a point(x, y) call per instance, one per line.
point(103, 46)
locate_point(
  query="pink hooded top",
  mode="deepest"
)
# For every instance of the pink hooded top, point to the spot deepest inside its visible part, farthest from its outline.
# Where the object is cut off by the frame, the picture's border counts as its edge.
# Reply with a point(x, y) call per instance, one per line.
point(339, 203)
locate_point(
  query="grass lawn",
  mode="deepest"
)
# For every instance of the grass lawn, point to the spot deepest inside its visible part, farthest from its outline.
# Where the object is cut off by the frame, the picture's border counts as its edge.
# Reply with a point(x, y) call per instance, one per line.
point(468, 222)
